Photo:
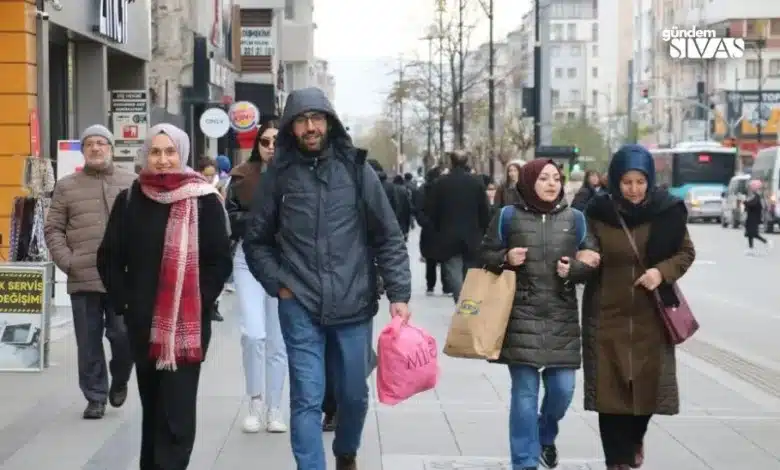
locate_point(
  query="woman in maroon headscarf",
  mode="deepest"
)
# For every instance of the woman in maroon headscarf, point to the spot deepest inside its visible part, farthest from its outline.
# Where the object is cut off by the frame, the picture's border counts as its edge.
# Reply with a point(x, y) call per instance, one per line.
point(546, 243)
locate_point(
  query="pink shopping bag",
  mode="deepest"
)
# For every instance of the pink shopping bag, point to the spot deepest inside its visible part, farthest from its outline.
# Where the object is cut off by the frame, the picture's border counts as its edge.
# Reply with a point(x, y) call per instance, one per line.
point(407, 362)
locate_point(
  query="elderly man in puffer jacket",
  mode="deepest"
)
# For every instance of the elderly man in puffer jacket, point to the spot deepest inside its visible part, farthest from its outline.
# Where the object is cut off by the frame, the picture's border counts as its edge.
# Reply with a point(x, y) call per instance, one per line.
point(74, 229)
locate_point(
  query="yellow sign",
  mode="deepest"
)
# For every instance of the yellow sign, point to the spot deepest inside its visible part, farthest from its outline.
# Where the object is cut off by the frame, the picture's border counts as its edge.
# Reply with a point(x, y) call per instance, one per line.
point(771, 127)
point(21, 291)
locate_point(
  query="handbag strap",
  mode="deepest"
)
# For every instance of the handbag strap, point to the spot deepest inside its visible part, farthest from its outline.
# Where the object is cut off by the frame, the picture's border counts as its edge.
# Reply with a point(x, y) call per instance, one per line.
point(631, 240)
point(634, 248)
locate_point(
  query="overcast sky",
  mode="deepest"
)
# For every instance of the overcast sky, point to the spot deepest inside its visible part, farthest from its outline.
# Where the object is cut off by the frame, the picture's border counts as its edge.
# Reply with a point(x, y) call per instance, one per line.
point(365, 38)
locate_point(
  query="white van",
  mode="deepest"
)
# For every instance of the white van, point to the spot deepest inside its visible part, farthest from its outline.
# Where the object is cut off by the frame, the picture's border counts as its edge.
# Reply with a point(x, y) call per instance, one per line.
point(732, 212)
point(766, 168)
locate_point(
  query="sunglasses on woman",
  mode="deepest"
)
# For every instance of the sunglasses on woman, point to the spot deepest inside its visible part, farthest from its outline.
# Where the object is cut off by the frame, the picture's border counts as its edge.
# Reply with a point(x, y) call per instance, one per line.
point(265, 142)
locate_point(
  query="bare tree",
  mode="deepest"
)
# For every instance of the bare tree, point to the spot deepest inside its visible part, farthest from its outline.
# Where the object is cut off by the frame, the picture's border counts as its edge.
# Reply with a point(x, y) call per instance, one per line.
point(421, 95)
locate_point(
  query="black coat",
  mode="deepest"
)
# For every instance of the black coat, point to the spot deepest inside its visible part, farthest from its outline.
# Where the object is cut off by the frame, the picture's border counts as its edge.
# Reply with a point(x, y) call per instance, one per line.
point(753, 212)
point(458, 213)
point(134, 239)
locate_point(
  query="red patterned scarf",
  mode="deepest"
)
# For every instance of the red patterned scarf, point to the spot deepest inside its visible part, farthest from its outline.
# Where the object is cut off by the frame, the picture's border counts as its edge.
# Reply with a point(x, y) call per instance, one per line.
point(176, 324)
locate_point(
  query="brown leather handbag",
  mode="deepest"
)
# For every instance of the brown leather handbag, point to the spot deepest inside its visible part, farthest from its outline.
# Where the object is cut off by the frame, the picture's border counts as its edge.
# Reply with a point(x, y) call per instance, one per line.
point(678, 319)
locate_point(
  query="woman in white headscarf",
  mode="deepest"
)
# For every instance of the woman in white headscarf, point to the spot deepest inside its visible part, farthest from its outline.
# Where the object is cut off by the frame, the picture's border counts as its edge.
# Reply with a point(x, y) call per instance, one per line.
point(164, 261)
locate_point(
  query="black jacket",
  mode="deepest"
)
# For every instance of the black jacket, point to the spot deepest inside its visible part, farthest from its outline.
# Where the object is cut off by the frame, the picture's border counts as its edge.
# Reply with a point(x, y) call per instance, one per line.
point(544, 329)
point(134, 239)
point(458, 214)
point(311, 231)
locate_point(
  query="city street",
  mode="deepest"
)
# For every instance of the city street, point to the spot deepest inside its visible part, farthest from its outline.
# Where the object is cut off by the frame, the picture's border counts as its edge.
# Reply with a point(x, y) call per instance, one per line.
point(729, 379)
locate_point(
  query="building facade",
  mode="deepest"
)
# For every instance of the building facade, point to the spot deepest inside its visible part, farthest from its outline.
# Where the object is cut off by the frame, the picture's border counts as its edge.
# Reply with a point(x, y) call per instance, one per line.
point(297, 52)
point(194, 65)
point(589, 51)
point(324, 80)
point(60, 62)
point(709, 99)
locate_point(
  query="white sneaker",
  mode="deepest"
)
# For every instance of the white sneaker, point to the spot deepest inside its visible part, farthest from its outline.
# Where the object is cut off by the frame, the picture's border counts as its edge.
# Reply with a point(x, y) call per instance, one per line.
point(276, 421)
point(253, 422)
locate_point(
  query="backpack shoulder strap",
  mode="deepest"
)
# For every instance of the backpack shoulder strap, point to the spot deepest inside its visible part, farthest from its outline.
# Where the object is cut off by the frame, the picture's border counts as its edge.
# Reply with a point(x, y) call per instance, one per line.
point(504, 221)
point(581, 226)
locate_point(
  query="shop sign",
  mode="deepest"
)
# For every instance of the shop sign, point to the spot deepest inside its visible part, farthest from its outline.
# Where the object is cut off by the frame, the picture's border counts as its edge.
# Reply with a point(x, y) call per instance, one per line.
point(256, 41)
point(35, 134)
point(130, 122)
point(24, 294)
point(214, 123)
point(112, 20)
point(244, 116)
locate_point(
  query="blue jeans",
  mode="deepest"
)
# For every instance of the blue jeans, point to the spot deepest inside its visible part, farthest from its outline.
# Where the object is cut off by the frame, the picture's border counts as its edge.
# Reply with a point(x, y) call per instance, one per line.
point(349, 350)
point(530, 428)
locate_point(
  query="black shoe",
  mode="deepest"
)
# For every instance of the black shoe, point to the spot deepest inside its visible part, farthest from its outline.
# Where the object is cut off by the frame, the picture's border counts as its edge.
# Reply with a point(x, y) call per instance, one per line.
point(117, 394)
point(94, 410)
point(215, 315)
point(329, 423)
point(346, 462)
point(549, 457)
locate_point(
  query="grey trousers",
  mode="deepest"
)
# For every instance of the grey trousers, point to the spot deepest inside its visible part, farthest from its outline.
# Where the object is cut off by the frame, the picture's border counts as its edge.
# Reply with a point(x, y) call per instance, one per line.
point(93, 317)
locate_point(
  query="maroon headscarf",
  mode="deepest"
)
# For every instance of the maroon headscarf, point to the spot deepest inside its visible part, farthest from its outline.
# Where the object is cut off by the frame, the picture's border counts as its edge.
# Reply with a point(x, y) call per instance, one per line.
point(529, 173)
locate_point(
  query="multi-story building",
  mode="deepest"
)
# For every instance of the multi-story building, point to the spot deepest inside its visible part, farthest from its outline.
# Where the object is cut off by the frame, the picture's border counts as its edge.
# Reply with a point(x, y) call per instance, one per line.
point(297, 45)
point(682, 91)
point(324, 80)
point(589, 48)
point(194, 65)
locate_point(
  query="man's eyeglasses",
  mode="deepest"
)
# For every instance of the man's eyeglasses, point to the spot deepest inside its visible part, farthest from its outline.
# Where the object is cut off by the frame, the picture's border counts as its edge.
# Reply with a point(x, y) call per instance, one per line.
point(266, 142)
point(315, 118)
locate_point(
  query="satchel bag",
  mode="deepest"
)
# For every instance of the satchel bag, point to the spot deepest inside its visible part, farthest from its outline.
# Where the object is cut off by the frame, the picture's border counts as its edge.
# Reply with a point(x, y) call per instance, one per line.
point(679, 322)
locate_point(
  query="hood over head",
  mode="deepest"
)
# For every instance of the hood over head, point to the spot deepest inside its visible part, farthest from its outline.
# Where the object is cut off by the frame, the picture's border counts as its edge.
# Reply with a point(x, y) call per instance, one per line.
point(223, 163)
point(378, 169)
point(303, 101)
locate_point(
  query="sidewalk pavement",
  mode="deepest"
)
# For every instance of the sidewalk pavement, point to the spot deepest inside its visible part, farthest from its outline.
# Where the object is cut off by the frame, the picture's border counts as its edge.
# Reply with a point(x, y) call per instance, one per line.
point(725, 423)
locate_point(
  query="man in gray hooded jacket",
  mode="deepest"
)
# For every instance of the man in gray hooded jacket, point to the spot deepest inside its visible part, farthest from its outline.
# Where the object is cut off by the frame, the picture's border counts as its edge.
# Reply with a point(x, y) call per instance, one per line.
point(319, 220)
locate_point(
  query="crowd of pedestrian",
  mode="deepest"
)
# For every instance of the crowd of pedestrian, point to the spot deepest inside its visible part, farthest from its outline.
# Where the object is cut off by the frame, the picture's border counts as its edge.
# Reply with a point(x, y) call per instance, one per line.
point(313, 233)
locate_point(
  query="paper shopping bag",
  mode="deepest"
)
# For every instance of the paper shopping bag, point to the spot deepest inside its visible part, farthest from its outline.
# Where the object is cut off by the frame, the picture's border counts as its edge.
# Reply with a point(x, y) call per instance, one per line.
point(479, 324)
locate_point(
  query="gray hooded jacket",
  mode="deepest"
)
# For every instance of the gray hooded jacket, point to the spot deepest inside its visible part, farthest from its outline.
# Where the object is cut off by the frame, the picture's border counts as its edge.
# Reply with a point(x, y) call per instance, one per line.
point(310, 231)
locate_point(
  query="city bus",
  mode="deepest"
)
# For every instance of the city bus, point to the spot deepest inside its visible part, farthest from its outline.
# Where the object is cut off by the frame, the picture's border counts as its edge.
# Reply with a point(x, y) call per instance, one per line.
point(704, 166)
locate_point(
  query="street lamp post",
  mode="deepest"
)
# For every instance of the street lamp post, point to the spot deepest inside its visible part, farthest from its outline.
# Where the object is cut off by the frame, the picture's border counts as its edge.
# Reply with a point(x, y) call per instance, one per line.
point(491, 94)
point(537, 76)
point(441, 78)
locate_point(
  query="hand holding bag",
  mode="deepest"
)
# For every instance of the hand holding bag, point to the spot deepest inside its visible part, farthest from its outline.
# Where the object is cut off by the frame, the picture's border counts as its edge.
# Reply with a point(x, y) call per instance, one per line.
point(678, 319)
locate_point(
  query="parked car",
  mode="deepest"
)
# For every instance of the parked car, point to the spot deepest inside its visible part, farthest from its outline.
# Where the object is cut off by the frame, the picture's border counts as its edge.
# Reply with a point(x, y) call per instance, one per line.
point(732, 212)
point(704, 204)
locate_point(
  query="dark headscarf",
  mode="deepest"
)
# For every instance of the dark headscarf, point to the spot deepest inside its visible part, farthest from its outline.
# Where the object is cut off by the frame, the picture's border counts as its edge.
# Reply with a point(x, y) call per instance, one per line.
point(627, 158)
point(529, 173)
point(666, 214)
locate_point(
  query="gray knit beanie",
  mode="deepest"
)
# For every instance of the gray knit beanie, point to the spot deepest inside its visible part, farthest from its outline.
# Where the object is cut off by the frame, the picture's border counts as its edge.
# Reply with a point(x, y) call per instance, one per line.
point(97, 130)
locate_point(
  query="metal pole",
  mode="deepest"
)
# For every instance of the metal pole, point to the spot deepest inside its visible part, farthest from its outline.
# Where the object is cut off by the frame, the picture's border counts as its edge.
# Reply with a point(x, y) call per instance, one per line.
point(441, 82)
point(43, 104)
point(461, 69)
point(537, 77)
point(401, 91)
point(427, 161)
point(760, 92)
point(491, 95)
point(630, 136)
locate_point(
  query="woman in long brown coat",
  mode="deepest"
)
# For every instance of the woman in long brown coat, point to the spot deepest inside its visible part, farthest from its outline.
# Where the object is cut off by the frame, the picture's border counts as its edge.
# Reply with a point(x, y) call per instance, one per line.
point(629, 366)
